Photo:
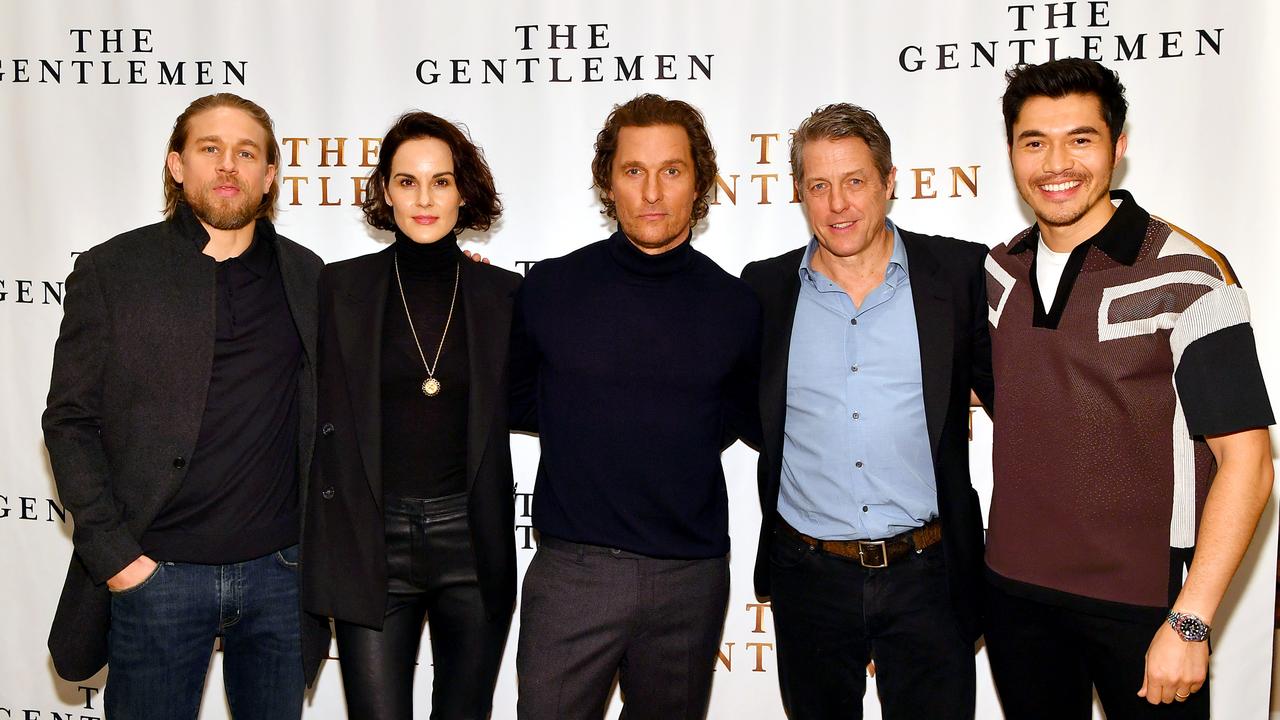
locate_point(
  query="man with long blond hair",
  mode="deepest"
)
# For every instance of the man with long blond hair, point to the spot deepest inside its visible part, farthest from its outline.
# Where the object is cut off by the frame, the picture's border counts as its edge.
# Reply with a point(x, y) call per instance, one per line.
point(179, 428)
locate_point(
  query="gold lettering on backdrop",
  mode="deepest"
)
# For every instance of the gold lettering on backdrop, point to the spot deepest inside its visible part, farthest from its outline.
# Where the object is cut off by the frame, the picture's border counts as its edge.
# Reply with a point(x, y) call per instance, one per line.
point(725, 656)
point(764, 145)
point(326, 151)
point(759, 647)
point(924, 176)
point(293, 181)
point(759, 609)
point(369, 147)
point(764, 179)
point(730, 192)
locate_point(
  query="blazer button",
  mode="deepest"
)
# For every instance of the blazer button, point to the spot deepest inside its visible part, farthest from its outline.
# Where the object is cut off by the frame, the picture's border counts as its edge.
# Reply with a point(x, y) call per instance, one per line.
point(179, 462)
point(326, 429)
point(327, 493)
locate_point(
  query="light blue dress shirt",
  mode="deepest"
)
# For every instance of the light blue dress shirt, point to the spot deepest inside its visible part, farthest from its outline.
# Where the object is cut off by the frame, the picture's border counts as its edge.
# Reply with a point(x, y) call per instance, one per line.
point(856, 461)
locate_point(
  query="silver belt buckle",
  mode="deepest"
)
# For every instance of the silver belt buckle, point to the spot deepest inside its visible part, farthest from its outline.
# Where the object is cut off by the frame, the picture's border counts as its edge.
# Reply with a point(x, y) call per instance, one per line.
point(875, 549)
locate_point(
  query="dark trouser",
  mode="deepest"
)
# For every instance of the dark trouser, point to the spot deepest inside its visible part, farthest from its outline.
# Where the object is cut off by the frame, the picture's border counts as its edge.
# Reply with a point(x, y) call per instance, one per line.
point(832, 616)
point(163, 630)
point(431, 573)
point(1046, 660)
point(588, 613)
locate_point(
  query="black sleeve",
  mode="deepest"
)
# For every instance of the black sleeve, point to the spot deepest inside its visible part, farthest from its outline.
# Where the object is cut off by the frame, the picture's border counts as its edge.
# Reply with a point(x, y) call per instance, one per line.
point(980, 375)
point(525, 360)
point(1220, 383)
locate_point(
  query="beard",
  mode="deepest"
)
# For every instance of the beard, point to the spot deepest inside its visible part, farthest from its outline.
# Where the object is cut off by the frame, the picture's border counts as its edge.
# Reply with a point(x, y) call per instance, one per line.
point(222, 213)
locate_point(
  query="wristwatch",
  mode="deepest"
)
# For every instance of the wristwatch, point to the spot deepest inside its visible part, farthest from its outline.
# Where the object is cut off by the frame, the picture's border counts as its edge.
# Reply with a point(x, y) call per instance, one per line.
point(1188, 626)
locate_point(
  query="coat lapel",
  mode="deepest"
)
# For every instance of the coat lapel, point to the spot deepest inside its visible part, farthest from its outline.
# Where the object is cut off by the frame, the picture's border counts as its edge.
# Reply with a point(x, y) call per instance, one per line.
point(779, 315)
point(934, 326)
point(488, 314)
point(359, 304)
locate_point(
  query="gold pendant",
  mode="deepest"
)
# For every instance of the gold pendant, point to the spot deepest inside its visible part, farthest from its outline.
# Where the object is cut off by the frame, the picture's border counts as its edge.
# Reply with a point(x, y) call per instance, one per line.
point(431, 387)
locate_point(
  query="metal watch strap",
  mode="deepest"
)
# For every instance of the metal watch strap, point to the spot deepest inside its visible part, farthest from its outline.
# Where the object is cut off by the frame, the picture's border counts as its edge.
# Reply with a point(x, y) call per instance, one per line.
point(1189, 627)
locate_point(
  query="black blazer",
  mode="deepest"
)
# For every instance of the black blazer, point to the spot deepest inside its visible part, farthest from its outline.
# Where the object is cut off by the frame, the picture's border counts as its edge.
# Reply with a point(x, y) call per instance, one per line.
point(948, 288)
point(130, 373)
point(345, 573)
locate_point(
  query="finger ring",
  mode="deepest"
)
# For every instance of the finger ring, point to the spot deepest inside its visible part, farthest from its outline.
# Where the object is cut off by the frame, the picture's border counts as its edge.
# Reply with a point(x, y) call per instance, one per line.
point(1180, 696)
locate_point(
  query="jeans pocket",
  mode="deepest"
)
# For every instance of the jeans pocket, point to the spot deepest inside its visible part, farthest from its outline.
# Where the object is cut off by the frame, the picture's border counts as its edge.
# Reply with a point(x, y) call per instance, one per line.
point(787, 552)
point(288, 557)
point(135, 588)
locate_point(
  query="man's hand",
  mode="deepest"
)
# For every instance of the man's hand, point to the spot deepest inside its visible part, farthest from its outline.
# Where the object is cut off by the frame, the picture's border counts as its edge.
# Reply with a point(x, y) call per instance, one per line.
point(1175, 668)
point(132, 575)
point(476, 257)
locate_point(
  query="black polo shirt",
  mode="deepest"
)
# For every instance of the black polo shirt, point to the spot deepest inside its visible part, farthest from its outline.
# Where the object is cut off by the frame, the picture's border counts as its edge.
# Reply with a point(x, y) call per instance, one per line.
point(239, 499)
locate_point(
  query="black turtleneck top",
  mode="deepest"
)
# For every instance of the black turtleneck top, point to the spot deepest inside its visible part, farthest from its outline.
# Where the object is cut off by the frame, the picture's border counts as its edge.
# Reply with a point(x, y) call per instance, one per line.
point(424, 439)
point(640, 362)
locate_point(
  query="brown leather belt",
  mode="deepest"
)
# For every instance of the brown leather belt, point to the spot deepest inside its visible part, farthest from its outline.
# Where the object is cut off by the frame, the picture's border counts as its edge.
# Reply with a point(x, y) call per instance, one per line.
point(873, 553)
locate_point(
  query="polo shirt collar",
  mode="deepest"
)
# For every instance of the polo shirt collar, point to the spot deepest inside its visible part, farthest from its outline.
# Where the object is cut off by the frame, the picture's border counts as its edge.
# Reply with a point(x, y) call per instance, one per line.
point(1121, 238)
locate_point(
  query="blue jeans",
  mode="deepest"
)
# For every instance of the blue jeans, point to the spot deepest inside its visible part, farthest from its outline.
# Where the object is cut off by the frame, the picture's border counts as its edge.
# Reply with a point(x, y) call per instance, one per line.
point(163, 630)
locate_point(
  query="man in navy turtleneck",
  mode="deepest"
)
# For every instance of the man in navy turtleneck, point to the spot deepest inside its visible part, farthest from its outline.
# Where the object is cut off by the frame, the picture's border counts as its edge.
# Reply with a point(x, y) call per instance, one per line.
point(641, 354)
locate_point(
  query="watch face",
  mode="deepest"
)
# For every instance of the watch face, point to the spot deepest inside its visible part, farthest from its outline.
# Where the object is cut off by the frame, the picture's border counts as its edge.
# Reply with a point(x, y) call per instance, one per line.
point(1190, 627)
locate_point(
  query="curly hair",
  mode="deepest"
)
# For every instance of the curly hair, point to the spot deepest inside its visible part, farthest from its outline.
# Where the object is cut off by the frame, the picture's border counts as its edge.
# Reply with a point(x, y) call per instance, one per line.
point(475, 181)
point(646, 111)
point(182, 128)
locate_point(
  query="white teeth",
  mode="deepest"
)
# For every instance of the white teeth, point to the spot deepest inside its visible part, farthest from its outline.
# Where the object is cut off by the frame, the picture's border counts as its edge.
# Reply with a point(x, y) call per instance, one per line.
point(841, 226)
point(1059, 187)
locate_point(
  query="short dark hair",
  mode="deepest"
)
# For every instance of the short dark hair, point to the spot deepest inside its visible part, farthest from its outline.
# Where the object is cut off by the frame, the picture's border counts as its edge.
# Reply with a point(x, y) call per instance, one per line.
point(178, 140)
point(1059, 78)
point(836, 122)
point(470, 170)
point(647, 111)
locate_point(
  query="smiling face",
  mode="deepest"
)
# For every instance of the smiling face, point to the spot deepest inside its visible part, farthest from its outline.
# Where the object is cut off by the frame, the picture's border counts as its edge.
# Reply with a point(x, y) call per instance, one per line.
point(652, 183)
point(844, 196)
point(223, 168)
point(422, 190)
point(1062, 160)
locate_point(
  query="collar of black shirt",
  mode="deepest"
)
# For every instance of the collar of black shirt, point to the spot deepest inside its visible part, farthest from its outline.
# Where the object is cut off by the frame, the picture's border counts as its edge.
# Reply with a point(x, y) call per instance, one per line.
point(257, 257)
point(1121, 238)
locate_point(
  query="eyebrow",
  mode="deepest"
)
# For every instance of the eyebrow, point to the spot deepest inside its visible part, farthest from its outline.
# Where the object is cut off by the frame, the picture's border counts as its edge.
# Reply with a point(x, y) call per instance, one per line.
point(637, 163)
point(411, 176)
point(822, 178)
point(218, 139)
point(1082, 130)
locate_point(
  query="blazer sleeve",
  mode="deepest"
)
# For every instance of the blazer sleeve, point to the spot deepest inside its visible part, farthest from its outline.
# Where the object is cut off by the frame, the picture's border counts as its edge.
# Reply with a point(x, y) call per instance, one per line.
point(523, 374)
point(981, 375)
point(72, 424)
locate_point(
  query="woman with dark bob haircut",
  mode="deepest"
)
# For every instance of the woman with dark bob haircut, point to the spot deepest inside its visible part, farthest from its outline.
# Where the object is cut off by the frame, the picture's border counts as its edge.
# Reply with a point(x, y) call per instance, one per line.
point(409, 510)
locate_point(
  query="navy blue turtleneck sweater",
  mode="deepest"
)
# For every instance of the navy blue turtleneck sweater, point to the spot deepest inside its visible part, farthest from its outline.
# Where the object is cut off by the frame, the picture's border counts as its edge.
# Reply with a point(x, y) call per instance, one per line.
point(640, 364)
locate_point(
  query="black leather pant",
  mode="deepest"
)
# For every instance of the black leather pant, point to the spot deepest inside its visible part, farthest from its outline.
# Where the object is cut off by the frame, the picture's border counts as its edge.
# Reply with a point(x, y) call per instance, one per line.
point(431, 573)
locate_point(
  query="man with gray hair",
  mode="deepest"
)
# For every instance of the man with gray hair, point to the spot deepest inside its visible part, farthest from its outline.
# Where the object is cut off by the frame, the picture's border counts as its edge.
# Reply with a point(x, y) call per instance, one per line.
point(871, 539)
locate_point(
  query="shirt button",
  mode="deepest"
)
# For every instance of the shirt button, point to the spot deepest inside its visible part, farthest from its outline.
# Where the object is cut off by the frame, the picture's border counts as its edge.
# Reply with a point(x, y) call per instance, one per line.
point(865, 508)
point(853, 321)
point(179, 462)
point(856, 416)
point(326, 429)
point(858, 464)
point(853, 368)
point(327, 493)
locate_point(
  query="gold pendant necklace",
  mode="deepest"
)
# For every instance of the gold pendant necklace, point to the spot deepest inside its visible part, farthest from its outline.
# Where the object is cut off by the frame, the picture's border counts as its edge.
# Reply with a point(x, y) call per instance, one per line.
point(430, 386)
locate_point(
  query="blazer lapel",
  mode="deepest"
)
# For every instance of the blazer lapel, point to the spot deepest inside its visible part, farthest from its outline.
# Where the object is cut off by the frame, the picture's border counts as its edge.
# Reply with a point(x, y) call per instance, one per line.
point(779, 315)
point(488, 315)
point(358, 309)
point(934, 318)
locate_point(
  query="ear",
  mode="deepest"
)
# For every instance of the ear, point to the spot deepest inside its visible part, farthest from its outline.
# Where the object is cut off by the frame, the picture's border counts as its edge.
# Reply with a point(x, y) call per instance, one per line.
point(174, 162)
point(271, 178)
point(890, 182)
point(1122, 144)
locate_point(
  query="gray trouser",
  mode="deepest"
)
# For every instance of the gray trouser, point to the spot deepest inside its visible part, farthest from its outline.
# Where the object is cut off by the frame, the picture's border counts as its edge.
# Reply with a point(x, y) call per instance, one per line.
point(588, 613)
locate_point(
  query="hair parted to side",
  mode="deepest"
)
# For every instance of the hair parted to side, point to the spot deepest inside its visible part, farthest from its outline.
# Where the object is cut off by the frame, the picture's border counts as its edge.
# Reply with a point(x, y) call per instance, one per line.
point(837, 122)
point(1059, 78)
point(646, 111)
point(178, 141)
point(481, 206)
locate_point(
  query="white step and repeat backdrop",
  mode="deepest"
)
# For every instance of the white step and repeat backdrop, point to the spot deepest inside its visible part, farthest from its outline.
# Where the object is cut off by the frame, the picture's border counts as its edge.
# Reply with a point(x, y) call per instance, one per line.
point(89, 91)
